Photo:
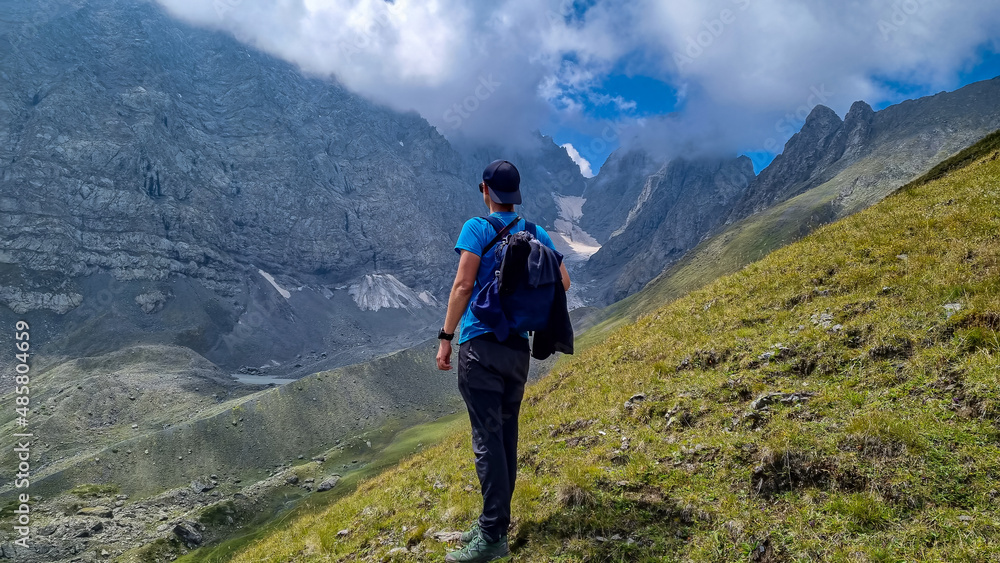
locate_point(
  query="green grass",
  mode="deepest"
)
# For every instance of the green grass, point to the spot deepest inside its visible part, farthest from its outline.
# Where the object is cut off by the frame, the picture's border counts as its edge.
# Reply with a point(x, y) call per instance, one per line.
point(93, 490)
point(892, 456)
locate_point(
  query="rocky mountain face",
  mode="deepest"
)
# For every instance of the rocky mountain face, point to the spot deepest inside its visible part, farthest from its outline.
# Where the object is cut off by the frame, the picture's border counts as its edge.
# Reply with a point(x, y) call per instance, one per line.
point(915, 131)
point(162, 183)
point(202, 157)
point(680, 203)
point(809, 154)
point(616, 191)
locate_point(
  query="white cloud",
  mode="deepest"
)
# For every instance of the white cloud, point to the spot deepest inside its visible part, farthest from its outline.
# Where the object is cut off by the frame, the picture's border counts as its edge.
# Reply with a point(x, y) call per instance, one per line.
point(497, 70)
point(619, 102)
point(579, 160)
point(767, 54)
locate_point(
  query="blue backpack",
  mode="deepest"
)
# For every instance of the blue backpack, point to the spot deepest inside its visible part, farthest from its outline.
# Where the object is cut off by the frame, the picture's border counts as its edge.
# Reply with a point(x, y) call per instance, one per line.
point(519, 298)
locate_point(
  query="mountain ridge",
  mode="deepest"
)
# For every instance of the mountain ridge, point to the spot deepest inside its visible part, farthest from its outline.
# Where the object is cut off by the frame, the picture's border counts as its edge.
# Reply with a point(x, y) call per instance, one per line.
point(887, 148)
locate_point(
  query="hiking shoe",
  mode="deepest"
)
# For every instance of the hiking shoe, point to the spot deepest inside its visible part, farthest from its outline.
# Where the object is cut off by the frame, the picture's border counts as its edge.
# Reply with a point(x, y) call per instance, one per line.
point(478, 550)
point(469, 534)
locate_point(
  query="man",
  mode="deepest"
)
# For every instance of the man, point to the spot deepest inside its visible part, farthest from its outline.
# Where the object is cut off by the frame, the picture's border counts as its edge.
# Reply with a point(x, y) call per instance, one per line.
point(491, 374)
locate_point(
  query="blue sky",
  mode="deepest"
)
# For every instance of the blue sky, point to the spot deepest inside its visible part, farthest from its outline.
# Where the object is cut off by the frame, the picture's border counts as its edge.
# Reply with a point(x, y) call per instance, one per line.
point(730, 76)
point(618, 97)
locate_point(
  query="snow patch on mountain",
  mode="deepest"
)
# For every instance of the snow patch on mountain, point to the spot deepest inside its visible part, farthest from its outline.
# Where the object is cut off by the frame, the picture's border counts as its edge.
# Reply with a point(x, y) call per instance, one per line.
point(575, 244)
point(284, 292)
point(384, 291)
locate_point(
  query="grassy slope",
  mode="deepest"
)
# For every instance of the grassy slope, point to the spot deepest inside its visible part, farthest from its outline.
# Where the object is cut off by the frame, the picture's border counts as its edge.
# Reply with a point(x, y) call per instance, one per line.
point(401, 445)
point(737, 246)
point(893, 456)
point(756, 236)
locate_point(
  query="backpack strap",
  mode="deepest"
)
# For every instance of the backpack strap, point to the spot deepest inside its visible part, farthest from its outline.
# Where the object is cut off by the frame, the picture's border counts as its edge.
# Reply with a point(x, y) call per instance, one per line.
point(501, 229)
point(497, 223)
point(531, 228)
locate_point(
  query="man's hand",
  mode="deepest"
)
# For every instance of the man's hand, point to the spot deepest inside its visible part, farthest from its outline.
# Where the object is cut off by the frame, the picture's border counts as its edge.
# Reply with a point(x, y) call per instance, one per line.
point(444, 355)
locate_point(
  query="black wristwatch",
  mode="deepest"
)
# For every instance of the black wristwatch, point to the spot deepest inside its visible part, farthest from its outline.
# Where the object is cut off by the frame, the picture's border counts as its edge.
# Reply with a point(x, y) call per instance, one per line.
point(442, 335)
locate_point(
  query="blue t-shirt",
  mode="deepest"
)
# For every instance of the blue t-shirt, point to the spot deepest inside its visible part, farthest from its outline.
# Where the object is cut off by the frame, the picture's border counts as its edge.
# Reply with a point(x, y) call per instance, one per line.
point(476, 234)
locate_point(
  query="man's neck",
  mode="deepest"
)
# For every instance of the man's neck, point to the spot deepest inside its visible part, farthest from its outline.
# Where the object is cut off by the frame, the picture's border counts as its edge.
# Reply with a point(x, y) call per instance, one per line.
point(501, 209)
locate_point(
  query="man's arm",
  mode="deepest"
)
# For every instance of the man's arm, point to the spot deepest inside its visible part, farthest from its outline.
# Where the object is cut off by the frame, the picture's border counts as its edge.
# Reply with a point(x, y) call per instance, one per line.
point(458, 302)
point(565, 276)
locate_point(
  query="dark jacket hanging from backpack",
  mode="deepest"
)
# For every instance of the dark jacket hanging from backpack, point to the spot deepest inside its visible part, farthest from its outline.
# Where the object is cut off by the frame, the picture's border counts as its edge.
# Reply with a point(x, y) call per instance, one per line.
point(558, 335)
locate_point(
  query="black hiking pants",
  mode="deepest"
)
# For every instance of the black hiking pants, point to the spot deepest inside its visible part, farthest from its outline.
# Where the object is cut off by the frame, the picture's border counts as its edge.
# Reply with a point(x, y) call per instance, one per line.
point(491, 377)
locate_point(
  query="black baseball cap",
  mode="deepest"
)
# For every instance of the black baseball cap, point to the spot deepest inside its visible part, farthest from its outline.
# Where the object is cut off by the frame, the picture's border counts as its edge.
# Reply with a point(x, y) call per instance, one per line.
point(503, 181)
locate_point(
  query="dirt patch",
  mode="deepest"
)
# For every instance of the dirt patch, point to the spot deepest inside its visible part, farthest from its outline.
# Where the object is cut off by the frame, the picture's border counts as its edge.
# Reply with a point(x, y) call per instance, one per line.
point(704, 359)
point(679, 417)
point(894, 347)
point(856, 308)
point(619, 459)
point(570, 427)
point(937, 334)
point(791, 302)
point(804, 366)
point(749, 322)
point(981, 319)
point(854, 337)
point(780, 472)
point(528, 460)
point(534, 399)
